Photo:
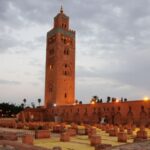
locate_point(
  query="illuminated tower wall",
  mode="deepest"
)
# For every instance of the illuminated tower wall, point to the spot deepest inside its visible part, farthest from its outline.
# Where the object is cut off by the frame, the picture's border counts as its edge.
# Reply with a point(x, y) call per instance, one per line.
point(60, 63)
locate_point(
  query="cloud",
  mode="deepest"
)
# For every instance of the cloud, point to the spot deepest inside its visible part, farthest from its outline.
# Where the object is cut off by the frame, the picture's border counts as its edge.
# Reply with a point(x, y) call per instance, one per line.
point(8, 82)
point(112, 43)
point(7, 42)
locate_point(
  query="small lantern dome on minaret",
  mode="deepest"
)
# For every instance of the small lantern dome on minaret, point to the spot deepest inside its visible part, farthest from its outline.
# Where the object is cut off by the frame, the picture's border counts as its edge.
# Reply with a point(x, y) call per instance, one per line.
point(61, 20)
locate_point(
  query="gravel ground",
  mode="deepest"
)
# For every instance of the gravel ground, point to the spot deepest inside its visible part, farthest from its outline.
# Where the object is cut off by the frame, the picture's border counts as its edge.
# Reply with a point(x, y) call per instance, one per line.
point(134, 146)
point(6, 148)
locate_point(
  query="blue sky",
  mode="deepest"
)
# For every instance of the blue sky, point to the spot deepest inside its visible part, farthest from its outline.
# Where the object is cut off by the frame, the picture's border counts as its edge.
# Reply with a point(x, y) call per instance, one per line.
point(112, 47)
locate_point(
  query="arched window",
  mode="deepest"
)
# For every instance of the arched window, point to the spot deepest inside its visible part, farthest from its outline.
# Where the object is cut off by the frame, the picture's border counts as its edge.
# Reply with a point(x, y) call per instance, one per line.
point(52, 39)
point(65, 95)
point(50, 89)
point(66, 69)
point(65, 41)
point(65, 65)
point(51, 66)
point(66, 51)
point(65, 73)
point(85, 110)
point(51, 52)
point(142, 107)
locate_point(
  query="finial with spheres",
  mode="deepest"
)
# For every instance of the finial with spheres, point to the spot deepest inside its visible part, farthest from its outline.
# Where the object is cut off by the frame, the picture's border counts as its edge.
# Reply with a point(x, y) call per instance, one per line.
point(61, 9)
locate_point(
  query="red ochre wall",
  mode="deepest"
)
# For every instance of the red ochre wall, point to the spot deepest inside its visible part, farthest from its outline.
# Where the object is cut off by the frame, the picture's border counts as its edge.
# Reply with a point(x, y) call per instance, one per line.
point(137, 112)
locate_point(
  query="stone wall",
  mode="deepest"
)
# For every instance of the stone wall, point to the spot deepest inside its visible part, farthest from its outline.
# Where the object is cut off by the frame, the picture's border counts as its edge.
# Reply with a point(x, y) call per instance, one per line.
point(131, 112)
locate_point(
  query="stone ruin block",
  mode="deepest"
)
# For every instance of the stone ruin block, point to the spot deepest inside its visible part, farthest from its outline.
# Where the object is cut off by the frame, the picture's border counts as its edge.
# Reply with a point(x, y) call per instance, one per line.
point(1, 135)
point(95, 140)
point(58, 129)
point(141, 135)
point(74, 126)
point(121, 129)
point(103, 147)
point(20, 125)
point(122, 137)
point(72, 132)
point(81, 131)
point(87, 130)
point(124, 148)
point(12, 136)
point(64, 137)
point(103, 128)
point(129, 131)
point(107, 127)
point(27, 139)
point(32, 126)
point(113, 132)
point(39, 134)
point(92, 131)
point(133, 127)
point(57, 148)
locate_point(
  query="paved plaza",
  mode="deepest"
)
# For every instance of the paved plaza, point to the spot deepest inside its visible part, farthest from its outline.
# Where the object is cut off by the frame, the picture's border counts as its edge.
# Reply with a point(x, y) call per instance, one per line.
point(82, 142)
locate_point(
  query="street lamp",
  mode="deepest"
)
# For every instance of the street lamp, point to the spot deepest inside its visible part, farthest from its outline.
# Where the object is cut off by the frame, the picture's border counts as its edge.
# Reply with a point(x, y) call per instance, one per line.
point(146, 98)
point(54, 105)
point(92, 102)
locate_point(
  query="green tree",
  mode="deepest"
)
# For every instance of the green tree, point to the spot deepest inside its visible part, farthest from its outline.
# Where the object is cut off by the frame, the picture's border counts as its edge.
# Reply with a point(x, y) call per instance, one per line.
point(80, 102)
point(101, 100)
point(94, 99)
point(76, 101)
point(24, 100)
point(39, 101)
point(108, 99)
point(33, 105)
point(9, 110)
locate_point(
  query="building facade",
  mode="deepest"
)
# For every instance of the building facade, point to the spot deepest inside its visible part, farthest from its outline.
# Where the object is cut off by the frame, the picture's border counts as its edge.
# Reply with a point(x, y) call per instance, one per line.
point(130, 112)
point(60, 63)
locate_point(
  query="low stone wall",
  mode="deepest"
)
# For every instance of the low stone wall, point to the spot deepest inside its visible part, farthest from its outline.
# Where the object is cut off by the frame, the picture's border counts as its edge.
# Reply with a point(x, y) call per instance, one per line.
point(39, 134)
point(8, 136)
point(27, 139)
point(21, 146)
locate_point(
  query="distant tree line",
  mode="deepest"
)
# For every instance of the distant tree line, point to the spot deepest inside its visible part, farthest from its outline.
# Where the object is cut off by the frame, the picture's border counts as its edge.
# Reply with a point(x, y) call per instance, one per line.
point(96, 99)
point(9, 110)
point(114, 99)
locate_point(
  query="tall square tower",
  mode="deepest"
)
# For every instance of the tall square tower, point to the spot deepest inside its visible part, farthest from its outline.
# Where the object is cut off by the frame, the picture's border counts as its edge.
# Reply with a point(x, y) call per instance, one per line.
point(60, 63)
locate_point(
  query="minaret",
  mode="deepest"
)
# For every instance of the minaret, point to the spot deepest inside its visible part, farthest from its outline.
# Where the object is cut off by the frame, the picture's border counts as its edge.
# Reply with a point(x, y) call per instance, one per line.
point(60, 63)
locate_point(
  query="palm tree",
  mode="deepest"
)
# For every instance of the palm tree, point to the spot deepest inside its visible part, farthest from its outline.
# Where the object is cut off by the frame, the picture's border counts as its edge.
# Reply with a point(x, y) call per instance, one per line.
point(76, 101)
point(94, 99)
point(98, 101)
point(39, 101)
point(33, 105)
point(113, 99)
point(101, 100)
point(125, 99)
point(22, 105)
point(121, 99)
point(80, 102)
point(24, 100)
point(108, 99)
